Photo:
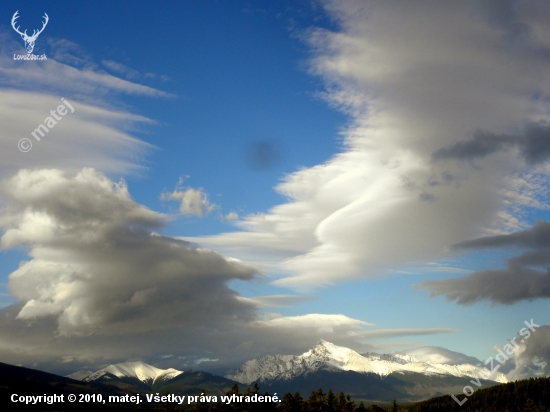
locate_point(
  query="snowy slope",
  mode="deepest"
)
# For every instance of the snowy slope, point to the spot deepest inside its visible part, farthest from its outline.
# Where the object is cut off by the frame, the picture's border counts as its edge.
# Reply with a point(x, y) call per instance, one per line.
point(142, 371)
point(80, 375)
point(328, 356)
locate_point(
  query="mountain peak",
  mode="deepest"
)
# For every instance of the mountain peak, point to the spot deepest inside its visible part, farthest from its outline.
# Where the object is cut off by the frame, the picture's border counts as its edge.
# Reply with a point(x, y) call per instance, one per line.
point(142, 371)
point(328, 345)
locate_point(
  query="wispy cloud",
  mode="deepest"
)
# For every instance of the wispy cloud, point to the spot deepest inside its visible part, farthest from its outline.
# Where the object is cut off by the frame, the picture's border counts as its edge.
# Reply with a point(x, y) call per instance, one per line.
point(128, 72)
point(68, 70)
point(400, 332)
point(92, 136)
point(97, 134)
point(411, 81)
point(441, 355)
point(274, 301)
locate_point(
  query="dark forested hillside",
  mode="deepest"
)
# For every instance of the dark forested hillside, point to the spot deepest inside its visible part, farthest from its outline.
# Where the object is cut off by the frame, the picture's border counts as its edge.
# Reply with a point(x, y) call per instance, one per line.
point(532, 395)
point(16, 380)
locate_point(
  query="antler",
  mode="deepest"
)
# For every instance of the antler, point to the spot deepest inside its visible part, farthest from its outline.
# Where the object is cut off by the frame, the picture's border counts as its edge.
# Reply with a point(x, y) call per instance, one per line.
point(13, 19)
point(35, 34)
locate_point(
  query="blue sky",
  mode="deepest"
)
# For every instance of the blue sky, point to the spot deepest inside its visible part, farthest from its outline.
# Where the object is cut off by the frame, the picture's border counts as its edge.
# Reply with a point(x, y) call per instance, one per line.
point(349, 154)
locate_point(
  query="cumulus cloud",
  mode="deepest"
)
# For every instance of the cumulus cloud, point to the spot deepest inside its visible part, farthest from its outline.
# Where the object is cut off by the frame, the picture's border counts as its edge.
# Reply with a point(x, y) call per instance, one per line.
point(192, 201)
point(414, 79)
point(98, 264)
point(231, 217)
point(526, 276)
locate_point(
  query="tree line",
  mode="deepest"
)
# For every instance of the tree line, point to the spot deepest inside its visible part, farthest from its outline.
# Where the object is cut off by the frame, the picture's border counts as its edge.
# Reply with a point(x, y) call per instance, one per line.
point(318, 401)
point(530, 395)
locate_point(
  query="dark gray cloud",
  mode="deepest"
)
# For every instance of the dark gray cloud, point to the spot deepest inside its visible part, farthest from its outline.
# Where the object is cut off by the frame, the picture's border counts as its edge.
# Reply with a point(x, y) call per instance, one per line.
point(503, 15)
point(426, 197)
point(536, 237)
point(526, 276)
point(503, 286)
point(482, 144)
point(533, 145)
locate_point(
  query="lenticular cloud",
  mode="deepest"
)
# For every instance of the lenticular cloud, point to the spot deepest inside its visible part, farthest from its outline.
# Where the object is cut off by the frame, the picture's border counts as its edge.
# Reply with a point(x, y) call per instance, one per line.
point(416, 80)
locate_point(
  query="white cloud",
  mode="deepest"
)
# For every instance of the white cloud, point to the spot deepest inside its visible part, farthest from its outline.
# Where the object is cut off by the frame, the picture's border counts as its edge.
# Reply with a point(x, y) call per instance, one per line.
point(231, 217)
point(273, 301)
point(322, 322)
point(130, 73)
point(120, 68)
point(91, 136)
point(440, 355)
point(414, 78)
point(192, 201)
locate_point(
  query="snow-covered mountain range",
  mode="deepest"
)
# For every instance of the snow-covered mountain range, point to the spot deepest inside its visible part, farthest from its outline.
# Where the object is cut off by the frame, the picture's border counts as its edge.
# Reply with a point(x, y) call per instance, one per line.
point(329, 357)
point(421, 373)
point(141, 371)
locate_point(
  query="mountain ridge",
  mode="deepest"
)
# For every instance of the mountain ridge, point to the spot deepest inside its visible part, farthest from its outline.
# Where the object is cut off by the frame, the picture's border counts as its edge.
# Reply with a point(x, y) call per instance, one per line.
point(327, 356)
point(141, 371)
point(140, 376)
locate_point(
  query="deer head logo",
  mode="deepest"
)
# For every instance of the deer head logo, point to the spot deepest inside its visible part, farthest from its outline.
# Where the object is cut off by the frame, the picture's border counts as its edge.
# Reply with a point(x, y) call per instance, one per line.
point(29, 40)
